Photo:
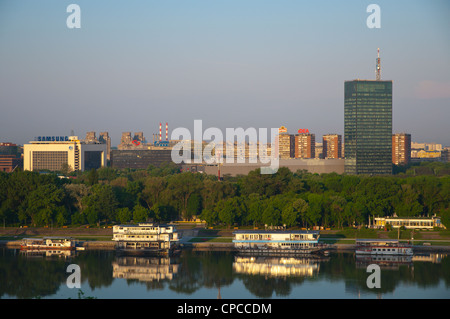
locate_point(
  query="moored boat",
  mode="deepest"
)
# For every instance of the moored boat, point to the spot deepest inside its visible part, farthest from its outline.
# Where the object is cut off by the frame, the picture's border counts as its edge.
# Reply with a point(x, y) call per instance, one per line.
point(48, 243)
point(146, 238)
point(277, 241)
point(382, 247)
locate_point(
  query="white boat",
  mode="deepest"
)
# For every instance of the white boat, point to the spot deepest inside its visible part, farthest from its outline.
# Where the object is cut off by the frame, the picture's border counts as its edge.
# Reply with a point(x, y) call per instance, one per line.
point(48, 243)
point(382, 247)
point(277, 241)
point(146, 238)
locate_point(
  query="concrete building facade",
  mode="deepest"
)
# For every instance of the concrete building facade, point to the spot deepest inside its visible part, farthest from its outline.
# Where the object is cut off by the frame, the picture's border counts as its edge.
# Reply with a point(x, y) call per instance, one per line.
point(401, 148)
point(286, 144)
point(304, 145)
point(332, 146)
point(70, 152)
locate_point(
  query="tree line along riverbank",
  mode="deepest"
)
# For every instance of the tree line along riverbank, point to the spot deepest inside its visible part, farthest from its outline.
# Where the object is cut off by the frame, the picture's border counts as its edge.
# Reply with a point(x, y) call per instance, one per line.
point(294, 199)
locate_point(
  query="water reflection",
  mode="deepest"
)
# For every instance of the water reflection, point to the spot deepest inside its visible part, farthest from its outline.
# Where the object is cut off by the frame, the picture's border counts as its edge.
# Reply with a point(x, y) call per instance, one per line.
point(392, 262)
point(144, 268)
point(65, 254)
point(276, 266)
point(103, 275)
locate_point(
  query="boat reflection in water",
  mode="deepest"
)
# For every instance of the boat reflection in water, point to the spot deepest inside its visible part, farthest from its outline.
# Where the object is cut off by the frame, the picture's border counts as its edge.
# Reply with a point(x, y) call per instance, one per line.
point(384, 261)
point(434, 258)
point(394, 261)
point(145, 268)
point(277, 266)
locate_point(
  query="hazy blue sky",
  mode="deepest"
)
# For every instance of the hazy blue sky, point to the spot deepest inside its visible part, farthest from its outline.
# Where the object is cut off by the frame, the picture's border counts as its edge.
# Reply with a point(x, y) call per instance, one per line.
point(230, 63)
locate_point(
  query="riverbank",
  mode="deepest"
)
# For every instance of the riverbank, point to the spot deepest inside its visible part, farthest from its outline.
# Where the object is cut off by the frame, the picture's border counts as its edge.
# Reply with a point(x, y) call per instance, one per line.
point(200, 238)
point(222, 246)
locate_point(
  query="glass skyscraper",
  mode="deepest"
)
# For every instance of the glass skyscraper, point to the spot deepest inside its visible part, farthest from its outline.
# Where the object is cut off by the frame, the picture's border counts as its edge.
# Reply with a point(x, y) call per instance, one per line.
point(368, 127)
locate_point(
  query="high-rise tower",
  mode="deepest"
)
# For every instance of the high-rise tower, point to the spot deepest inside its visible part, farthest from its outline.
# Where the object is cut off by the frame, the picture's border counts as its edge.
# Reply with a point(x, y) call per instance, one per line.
point(368, 126)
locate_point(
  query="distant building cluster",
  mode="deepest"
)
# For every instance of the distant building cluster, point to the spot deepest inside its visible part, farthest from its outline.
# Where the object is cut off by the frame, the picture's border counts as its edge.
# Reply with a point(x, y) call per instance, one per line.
point(367, 147)
point(429, 152)
point(304, 145)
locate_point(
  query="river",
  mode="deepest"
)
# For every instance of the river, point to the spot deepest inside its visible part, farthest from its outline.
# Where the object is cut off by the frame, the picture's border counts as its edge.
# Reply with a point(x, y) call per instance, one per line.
point(103, 274)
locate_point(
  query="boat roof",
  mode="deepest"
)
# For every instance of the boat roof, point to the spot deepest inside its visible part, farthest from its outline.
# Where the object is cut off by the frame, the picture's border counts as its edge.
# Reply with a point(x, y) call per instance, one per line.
point(277, 231)
point(377, 240)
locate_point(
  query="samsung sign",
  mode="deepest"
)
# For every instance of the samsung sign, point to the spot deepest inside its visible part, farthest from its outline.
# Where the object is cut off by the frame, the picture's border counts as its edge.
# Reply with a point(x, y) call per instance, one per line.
point(52, 138)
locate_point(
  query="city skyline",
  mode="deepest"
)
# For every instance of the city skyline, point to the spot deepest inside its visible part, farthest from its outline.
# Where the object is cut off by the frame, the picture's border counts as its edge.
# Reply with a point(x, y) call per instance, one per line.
point(253, 64)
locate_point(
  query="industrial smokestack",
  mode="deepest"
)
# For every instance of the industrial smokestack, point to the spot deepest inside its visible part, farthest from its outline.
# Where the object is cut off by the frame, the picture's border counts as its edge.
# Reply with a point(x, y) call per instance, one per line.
point(160, 138)
point(167, 131)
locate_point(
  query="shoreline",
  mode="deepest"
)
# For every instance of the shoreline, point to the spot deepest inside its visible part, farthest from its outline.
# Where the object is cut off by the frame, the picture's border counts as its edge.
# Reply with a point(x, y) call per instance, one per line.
point(220, 246)
point(101, 238)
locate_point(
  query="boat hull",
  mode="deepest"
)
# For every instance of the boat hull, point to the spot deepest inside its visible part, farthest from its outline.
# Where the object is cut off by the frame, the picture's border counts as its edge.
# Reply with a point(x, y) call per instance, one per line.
point(147, 251)
point(274, 251)
point(379, 251)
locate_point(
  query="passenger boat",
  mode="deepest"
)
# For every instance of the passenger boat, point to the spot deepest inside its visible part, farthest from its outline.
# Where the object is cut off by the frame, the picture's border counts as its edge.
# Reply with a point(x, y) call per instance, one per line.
point(146, 238)
point(383, 247)
point(48, 243)
point(277, 241)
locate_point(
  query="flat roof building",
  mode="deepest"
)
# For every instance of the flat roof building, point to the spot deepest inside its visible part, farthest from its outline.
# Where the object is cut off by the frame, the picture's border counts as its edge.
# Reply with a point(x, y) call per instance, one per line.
point(58, 153)
point(312, 165)
point(140, 158)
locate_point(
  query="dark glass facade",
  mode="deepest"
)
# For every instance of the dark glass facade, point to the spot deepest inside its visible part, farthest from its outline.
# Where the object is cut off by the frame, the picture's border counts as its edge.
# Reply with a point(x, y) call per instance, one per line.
point(92, 159)
point(368, 127)
point(139, 158)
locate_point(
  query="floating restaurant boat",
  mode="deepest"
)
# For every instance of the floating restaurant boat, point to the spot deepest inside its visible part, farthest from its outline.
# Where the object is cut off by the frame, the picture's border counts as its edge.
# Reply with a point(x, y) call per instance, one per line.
point(48, 243)
point(277, 241)
point(382, 247)
point(146, 238)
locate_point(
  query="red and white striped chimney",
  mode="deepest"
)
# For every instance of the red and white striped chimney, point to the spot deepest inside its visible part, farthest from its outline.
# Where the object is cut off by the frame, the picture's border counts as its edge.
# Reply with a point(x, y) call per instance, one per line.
point(160, 131)
point(167, 131)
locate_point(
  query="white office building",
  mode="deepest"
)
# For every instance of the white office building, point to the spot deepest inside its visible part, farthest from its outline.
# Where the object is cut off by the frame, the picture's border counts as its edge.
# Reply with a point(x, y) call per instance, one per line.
point(54, 153)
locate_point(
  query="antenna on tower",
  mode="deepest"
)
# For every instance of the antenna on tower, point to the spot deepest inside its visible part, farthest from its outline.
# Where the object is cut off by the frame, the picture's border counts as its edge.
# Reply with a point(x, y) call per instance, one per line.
point(378, 67)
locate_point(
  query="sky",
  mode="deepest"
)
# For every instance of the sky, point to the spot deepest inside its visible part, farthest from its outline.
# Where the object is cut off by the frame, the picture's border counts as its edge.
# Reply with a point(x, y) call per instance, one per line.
point(230, 63)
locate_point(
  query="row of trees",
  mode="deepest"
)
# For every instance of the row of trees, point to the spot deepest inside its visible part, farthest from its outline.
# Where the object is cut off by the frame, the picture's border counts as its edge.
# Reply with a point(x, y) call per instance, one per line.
point(163, 194)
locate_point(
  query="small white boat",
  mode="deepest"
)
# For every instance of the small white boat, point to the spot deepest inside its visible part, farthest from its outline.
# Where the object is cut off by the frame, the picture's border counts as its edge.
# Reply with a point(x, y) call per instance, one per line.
point(382, 247)
point(46, 243)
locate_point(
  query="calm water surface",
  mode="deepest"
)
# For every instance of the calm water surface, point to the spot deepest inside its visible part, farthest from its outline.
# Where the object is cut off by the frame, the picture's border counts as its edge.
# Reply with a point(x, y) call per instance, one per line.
point(210, 275)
